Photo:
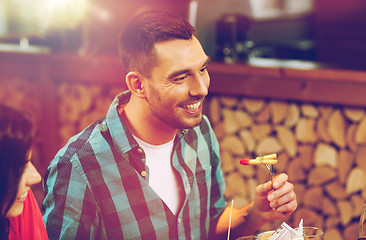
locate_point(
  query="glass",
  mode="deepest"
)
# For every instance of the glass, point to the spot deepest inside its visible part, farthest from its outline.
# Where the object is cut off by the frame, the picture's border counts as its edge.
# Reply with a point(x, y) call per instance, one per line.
point(247, 238)
point(309, 233)
point(312, 233)
point(265, 235)
point(362, 233)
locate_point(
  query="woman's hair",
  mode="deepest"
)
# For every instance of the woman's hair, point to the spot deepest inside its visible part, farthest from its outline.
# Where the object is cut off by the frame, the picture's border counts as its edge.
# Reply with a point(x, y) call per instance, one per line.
point(137, 41)
point(16, 136)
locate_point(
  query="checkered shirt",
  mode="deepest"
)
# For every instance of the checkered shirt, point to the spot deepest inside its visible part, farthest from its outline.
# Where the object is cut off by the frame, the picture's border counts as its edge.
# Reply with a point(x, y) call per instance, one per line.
point(97, 186)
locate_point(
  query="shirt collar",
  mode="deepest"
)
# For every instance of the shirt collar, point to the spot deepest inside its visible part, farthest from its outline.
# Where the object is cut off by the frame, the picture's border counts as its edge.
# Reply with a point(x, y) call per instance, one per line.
point(121, 136)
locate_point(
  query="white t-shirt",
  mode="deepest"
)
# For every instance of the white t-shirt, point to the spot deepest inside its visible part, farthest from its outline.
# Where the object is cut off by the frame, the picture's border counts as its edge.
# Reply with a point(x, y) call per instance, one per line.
point(162, 175)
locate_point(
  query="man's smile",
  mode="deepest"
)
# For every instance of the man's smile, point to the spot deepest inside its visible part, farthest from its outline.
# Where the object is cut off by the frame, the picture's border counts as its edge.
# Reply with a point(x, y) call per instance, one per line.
point(192, 108)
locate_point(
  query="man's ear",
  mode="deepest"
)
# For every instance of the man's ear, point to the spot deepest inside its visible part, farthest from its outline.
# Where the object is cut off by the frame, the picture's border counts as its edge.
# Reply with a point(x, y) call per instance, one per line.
point(135, 84)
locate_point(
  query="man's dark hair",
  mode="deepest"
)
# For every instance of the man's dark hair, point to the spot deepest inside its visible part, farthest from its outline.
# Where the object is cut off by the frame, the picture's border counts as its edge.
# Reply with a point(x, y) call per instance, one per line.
point(137, 41)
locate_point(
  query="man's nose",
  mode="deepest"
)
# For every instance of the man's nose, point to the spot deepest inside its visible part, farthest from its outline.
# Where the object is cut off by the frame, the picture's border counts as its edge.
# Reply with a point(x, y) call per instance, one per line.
point(199, 86)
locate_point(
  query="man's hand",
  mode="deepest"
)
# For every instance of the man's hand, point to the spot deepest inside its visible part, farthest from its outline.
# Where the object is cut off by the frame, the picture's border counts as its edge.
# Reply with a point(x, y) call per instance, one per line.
point(271, 202)
point(275, 200)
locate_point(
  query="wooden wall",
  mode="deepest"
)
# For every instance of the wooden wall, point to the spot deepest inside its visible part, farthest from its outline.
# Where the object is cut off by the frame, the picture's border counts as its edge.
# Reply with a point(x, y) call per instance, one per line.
point(35, 82)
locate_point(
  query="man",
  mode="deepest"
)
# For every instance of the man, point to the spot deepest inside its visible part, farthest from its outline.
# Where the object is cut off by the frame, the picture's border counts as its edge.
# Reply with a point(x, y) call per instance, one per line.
point(150, 169)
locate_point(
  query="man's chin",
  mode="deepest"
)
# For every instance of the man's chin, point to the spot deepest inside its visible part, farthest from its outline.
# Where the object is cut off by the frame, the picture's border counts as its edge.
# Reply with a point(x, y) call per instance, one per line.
point(194, 122)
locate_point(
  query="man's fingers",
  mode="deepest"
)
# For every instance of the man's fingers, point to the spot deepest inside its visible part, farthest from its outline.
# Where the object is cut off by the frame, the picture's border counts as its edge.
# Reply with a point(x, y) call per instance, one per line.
point(288, 207)
point(279, 180)
point(263, 189)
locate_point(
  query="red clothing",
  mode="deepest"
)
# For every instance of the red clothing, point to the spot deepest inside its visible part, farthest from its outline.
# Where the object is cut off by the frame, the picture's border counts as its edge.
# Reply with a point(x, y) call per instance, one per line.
point(29, 224)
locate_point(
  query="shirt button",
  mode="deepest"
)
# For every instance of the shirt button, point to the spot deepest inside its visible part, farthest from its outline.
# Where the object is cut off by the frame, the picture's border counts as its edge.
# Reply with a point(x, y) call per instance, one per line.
point(179, 220)
point(143, 173)
point(139, 150)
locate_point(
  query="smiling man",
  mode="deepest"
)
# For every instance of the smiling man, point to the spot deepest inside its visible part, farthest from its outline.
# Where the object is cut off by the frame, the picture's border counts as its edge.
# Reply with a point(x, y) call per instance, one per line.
point(150, 169)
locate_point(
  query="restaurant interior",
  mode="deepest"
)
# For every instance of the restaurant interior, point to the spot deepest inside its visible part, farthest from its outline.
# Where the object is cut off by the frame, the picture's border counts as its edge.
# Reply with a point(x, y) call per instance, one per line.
point(287, 77)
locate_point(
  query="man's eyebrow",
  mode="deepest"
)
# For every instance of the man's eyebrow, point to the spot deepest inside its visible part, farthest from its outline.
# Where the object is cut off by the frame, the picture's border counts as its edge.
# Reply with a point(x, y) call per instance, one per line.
point(175, 74)
point(206, 62)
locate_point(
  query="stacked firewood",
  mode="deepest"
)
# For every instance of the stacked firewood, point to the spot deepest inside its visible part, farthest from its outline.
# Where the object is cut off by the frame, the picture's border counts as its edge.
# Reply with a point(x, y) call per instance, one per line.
point(320, 147)
point(80, 105)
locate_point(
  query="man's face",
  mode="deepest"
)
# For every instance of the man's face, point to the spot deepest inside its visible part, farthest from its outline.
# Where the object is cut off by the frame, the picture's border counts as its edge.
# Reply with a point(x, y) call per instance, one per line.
point(178, 83)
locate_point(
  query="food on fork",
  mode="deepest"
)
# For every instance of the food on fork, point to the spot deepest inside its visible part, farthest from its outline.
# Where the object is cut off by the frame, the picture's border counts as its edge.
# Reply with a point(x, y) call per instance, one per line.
point(266, 159)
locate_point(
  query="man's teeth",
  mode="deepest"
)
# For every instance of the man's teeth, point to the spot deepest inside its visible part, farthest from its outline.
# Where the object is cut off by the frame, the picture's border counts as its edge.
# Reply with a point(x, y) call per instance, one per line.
point(192, 107)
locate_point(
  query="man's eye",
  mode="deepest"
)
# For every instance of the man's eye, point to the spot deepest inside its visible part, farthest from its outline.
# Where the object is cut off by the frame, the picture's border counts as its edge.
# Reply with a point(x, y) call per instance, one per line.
point(180, 78)
point(203, 69)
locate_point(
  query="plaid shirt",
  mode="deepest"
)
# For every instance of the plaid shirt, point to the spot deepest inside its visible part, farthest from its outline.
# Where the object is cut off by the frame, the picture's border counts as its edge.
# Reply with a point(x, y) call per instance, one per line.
point(97, 186)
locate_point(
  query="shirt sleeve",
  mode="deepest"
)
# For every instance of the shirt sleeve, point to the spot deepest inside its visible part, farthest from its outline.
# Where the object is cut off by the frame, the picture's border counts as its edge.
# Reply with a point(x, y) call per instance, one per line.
point(69, 211)
point(28, 225)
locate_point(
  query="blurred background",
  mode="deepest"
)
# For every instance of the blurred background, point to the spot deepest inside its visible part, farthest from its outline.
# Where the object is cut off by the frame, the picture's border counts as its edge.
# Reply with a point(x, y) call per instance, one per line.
point(288, 76)
point(327, 31)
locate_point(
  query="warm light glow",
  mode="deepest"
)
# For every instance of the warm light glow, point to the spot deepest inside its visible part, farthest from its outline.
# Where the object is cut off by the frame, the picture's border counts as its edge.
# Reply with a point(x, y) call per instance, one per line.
point(99, 12)
point(65, 13)
point(30, 17)
point(262, 9)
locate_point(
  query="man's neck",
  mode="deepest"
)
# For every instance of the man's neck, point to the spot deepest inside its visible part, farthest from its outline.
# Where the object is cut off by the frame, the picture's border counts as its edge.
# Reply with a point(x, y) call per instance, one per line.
point(143, 125)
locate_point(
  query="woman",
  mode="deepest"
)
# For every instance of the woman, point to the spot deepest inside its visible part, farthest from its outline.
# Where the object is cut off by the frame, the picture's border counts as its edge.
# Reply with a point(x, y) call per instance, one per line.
point(20, 214)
